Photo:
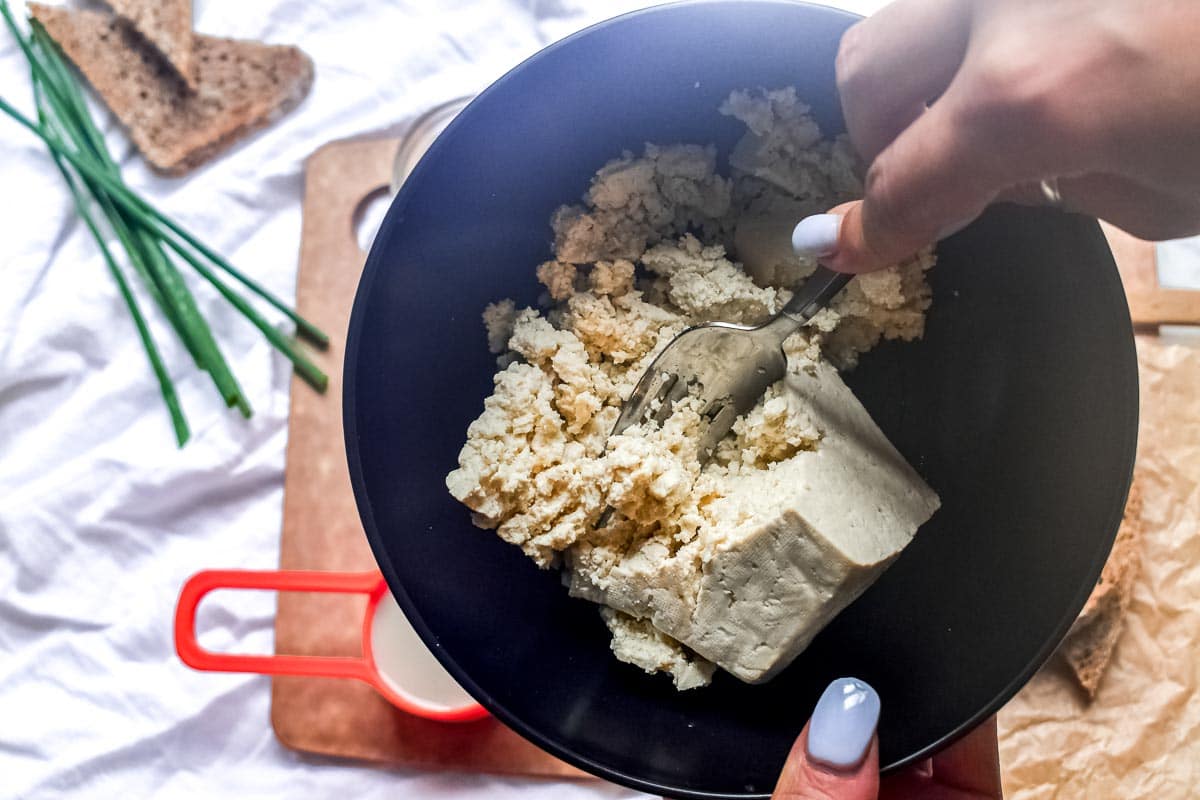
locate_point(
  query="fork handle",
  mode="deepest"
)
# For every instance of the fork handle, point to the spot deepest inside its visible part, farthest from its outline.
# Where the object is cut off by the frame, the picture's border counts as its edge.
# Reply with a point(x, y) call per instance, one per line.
point(815, 294)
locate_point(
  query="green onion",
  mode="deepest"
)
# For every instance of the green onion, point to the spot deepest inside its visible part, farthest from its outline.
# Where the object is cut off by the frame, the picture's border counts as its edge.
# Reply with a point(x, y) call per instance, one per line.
point(148, 237)
point(178, 421)
point(161, 277)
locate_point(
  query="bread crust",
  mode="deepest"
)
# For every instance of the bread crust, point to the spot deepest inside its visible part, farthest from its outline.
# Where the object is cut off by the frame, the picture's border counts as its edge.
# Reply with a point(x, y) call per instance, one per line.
point(241, 86)
point(1089, 646)
point(165, 24)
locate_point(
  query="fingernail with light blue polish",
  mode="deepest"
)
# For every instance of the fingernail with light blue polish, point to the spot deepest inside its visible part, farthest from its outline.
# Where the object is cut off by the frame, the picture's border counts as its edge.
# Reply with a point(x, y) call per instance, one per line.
point(843, 723)
point(816, 235)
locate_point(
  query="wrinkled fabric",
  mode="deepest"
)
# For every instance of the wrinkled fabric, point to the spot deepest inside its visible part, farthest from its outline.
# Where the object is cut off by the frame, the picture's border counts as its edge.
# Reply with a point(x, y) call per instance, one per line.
point(102, 518)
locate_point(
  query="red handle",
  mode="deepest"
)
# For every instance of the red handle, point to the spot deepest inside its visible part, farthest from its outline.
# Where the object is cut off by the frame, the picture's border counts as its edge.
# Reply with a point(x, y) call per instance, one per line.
point(202, 583)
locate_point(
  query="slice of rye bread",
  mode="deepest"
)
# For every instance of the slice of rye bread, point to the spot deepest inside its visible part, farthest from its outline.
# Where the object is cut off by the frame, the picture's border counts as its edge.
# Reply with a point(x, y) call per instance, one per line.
point(1089, 645)
point(241, 86)
point(166, 24)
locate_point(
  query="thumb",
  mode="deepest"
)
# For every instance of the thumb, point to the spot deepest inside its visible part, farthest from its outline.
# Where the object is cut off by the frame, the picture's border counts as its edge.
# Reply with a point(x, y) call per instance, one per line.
point(930, 181)
point(836, 756)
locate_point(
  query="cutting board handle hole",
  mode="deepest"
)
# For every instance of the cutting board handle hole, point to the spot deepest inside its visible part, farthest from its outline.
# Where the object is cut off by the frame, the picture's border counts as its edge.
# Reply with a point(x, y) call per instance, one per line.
point(368, 216)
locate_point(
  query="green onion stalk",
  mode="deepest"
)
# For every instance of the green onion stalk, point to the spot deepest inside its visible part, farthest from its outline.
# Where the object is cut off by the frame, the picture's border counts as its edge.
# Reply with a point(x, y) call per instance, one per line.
point(151, 240)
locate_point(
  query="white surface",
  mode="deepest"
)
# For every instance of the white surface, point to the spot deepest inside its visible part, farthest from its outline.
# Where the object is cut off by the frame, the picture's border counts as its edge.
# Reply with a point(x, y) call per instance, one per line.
point(1179, 268)
point(1179, 263)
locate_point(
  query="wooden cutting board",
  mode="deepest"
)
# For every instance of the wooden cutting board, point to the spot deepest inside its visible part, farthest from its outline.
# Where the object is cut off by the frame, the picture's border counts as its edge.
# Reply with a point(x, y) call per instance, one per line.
point(321, 529)
point(1150, 305)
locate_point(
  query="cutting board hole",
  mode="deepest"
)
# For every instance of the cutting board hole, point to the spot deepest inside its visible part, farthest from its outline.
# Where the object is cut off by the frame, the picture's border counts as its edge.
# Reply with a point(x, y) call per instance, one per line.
point(368, 216)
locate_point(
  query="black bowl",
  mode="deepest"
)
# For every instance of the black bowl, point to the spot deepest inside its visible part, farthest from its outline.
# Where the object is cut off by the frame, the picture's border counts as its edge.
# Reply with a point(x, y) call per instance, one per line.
point(1019, 407)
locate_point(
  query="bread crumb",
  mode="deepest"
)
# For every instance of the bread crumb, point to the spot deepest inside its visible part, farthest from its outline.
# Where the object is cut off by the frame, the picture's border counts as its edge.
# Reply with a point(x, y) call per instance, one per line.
point(1089, 645)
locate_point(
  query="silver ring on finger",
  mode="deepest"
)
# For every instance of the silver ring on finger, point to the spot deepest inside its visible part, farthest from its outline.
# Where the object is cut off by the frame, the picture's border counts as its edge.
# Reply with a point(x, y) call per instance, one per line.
point(1050, 192)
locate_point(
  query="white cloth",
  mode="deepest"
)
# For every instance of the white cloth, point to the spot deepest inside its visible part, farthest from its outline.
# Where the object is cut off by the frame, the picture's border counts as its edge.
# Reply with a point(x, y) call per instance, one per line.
point(1179, 263)
point(102, 519)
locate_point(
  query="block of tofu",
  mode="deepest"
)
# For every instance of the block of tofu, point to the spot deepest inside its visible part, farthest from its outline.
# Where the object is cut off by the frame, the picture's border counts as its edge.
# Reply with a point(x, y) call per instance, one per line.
point(790, 547)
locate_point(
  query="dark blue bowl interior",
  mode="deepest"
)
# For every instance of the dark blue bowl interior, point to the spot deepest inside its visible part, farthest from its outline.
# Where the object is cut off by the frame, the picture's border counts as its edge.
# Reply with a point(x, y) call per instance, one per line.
point(1019, 406)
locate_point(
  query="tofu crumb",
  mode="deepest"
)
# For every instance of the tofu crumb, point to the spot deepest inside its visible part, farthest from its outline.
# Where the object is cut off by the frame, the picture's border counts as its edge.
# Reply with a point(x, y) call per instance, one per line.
point(498, 318)
point(612, 278)
point(639, 643)
point(558, 278)
point(636, 202)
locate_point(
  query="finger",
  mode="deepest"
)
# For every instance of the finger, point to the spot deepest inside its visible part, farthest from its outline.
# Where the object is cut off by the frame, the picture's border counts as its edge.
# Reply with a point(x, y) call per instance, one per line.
point(908, 785)
point(837, 753)
point(889, 67)
point(803, 779)
point(967, 770)
point(971, 764)
point(919, 189)
point(1137, 209)
point(937, 176)
point(1024, 194)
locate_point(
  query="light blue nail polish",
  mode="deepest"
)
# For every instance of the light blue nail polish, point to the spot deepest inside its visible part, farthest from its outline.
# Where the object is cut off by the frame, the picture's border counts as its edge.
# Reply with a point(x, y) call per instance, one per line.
point(843, 723)
point(816, 235)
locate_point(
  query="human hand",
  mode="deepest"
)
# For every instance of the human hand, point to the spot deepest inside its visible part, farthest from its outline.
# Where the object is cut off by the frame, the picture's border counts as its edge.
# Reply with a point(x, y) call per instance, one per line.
point(957, 103)
point(836, 757)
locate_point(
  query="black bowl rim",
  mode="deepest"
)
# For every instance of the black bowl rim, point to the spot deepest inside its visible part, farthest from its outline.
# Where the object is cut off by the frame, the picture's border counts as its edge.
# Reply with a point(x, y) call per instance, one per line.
point(362, 500)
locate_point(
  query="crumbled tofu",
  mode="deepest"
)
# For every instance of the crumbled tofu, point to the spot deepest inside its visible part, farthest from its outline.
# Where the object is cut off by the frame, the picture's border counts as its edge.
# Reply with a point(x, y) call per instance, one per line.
point(617, 331)
point(558, 278)
point(739, 561)
point(775, 430)
point(637, 642)
point(704, 285)
point(612, 278)
point(636, 202)
point(654, 469)
point(888, 304)
point(783, 149)
point(498, 318)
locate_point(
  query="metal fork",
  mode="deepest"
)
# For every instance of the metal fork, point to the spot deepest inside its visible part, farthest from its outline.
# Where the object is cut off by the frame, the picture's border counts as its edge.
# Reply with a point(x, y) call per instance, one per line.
point(727, 366)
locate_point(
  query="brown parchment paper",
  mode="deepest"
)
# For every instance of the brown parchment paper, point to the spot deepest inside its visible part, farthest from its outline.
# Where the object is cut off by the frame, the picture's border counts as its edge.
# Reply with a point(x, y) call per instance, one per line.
point(1140, 738)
